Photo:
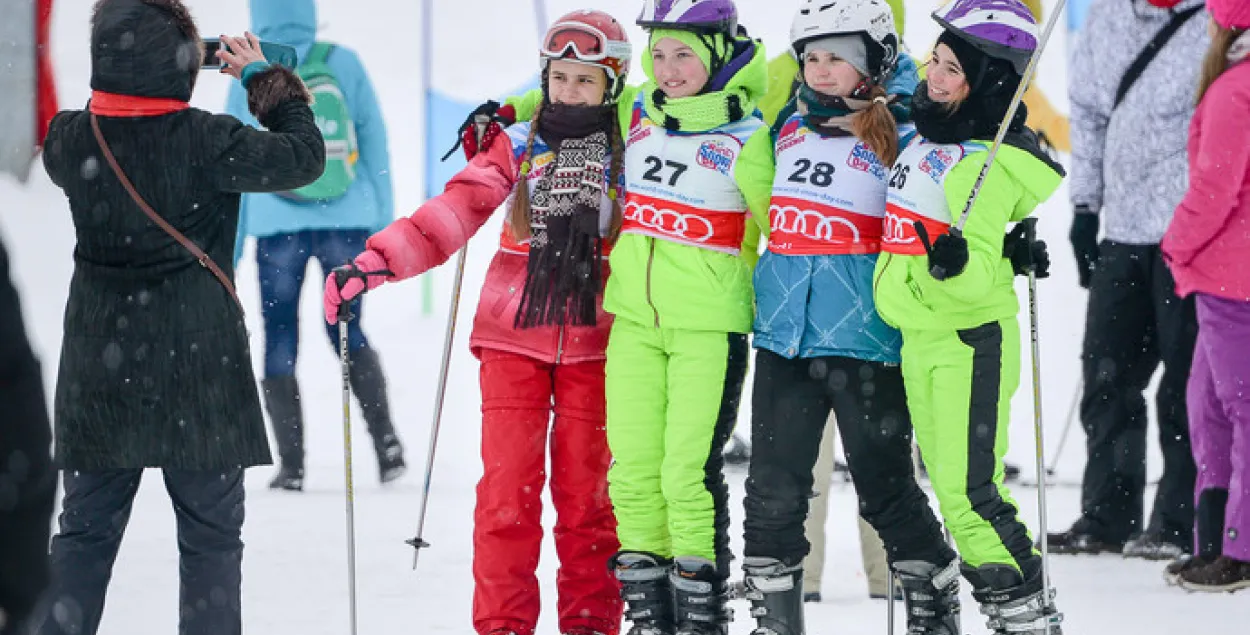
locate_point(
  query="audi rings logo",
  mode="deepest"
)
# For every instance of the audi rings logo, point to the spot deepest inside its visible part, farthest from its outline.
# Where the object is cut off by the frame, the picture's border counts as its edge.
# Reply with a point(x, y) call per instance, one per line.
point(789, 219)
point(668, 222)
point(896, 230)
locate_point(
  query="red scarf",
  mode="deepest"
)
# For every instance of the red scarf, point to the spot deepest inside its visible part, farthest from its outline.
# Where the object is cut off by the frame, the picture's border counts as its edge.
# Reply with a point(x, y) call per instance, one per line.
point(114, 105)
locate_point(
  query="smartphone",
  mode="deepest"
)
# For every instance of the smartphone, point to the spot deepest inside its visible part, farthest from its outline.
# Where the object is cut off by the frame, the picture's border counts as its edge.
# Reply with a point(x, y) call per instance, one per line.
point(211, 46)
point(273, 52)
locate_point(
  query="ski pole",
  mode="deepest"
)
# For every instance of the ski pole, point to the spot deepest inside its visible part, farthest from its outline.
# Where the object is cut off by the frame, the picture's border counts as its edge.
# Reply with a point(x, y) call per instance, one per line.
point(939, 273)
point(1067, 426)
point(418, 541)
point(345, 315)
point(1030, 235)
point(891, 580)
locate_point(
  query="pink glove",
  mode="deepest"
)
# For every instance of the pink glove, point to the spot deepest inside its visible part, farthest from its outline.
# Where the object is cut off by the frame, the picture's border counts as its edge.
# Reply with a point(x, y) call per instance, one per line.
point(366, 273)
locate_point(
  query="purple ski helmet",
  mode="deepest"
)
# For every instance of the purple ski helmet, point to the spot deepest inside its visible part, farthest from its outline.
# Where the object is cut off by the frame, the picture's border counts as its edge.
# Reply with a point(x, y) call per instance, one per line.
point(700, 16)
point(1002, 29)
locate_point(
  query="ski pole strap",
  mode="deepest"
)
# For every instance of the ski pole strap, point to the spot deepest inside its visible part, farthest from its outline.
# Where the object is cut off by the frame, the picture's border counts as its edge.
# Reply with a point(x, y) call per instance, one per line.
point(343, 275)
point(1025, 79)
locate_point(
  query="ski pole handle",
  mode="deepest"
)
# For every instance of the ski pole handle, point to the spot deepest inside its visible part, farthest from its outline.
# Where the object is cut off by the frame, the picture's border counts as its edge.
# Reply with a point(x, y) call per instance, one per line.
point(1030, 237)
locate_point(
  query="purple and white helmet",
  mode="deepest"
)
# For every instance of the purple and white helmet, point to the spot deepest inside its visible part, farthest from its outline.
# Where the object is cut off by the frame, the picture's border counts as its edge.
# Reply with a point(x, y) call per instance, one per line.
point(1002, 29)
point(700, 16)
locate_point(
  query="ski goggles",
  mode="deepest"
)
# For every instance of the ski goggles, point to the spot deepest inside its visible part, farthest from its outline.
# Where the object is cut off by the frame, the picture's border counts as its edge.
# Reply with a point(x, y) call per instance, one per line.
point(587, 44)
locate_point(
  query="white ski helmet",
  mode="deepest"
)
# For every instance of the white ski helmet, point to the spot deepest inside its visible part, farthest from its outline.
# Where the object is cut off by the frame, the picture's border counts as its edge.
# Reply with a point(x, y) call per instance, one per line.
point(873, 19)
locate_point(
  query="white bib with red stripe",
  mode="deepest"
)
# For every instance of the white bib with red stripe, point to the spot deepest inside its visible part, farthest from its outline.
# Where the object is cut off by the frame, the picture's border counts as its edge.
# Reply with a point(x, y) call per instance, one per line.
point(828, 196)
point(681, 186)
point(917, 192)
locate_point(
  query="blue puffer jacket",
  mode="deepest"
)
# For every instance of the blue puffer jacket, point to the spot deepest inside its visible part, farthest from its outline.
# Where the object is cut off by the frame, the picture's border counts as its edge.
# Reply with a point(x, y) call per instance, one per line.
point(820, 306)
point(369, 203)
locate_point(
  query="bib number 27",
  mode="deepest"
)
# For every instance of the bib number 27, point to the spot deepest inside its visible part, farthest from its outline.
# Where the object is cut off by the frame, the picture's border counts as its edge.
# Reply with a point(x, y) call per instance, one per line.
point(656, 168)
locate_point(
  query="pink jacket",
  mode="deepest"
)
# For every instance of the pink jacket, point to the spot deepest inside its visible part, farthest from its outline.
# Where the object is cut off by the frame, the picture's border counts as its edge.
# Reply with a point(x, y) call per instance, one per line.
point(1208, 243)
point(444, 224)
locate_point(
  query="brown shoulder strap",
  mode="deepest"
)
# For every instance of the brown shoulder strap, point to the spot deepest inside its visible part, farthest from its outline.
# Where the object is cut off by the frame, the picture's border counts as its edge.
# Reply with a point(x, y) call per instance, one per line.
point(199, 254)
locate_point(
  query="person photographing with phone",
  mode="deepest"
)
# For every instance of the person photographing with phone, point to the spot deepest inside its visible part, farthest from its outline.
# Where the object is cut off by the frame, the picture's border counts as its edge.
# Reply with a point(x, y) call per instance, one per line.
point(155, 369)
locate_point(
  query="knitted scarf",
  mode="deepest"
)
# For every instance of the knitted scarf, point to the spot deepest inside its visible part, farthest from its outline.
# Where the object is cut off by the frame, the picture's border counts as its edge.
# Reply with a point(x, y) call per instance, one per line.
point(563, 278)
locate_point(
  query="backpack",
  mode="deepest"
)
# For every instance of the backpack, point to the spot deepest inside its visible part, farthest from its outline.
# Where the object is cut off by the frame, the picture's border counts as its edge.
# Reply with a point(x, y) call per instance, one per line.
point(335, 122)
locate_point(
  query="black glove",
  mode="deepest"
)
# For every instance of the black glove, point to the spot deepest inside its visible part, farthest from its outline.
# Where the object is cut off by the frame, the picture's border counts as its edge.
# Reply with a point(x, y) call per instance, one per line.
point(948, 255)
point(1026, 251)
point(1084, 239)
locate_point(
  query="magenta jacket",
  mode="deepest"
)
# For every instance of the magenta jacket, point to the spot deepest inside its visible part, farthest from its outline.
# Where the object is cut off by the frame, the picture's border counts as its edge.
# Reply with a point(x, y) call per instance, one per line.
point(1208, 243)
point(443, 225)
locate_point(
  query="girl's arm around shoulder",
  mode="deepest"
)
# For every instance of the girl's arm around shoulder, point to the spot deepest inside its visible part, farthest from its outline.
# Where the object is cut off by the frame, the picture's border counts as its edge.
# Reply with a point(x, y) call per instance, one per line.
point(445, 223)
point(289, 155)
point(754, 173)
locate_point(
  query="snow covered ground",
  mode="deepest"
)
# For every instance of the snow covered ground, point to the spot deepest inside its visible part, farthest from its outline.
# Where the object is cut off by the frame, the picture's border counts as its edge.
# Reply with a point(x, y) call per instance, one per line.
point(295, 564)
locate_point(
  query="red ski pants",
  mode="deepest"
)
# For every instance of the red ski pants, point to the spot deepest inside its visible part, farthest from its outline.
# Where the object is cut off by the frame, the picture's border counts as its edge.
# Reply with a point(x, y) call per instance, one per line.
point(519, 395)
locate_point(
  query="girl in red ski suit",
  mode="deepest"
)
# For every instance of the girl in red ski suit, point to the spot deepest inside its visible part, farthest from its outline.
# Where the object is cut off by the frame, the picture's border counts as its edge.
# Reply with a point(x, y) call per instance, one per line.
point(540, 331)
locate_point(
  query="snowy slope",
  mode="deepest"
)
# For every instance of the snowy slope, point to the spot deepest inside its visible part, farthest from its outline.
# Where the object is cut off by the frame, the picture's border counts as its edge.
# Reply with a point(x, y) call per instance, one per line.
point(295, 564)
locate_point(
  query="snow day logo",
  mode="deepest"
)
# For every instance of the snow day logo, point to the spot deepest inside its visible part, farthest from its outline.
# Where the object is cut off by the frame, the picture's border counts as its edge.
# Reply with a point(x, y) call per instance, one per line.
point(715, 155)
point(865, 160)
point(637, 131)
point(792, 134)
point(936, 163)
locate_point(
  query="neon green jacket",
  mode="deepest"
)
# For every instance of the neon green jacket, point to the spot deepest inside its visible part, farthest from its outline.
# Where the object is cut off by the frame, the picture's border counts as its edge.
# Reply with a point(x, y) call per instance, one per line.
point(675, 286)
point(909, 298)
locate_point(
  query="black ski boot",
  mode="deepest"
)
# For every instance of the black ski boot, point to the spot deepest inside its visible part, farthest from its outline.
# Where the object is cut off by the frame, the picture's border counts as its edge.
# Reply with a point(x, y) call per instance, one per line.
point(369, 384)
point(931, 595)
point(282, 402)
point(701, 594)
point(1014, 604)
point(776, 594)
point(646, 590)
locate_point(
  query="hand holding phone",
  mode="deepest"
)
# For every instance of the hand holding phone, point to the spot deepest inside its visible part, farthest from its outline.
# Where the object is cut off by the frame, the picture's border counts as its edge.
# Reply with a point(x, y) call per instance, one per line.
point(236, 53)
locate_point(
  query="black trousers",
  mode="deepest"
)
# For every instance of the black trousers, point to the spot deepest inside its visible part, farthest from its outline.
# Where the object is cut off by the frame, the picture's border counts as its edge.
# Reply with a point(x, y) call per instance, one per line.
point(791, 403)
point(1134, 322)
point(208, 507)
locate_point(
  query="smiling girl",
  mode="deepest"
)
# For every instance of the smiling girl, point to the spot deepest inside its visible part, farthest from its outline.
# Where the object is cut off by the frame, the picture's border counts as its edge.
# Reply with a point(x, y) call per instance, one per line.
point(820, 343)
point(961, 340)
point(540, 330)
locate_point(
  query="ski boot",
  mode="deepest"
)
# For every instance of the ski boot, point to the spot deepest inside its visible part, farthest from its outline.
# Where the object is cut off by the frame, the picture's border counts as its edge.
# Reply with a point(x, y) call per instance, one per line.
point(776, 594)
point(647, 592)
point(701, 594)
point(931, 595)
point(1014, 604)
point(282, 402)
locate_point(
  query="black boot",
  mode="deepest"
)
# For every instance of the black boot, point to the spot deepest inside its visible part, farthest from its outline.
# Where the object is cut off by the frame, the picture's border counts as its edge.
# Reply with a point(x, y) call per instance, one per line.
point(701, 595)
point(646, 590)
point(1015, 604)
point(282, 402)
point(369, 384)
point(776, 594)
point(931, 595)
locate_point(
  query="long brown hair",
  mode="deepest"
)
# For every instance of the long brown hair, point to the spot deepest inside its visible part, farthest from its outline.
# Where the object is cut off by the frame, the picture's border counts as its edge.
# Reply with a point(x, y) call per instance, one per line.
point(520, 214)
point(1216, 61)
point(876, 126)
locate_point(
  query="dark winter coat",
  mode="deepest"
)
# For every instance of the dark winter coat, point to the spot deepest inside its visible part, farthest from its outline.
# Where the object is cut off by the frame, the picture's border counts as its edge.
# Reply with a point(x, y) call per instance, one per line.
point(155, 368)
point(27, 480)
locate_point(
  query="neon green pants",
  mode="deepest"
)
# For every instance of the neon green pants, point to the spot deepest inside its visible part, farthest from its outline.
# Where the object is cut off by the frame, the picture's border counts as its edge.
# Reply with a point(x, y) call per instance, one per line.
point(959, 387)
point(672, 402)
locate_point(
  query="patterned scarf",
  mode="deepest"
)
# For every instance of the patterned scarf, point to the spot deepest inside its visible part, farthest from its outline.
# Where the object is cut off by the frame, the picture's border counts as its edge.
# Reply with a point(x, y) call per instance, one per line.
point(565, 257)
